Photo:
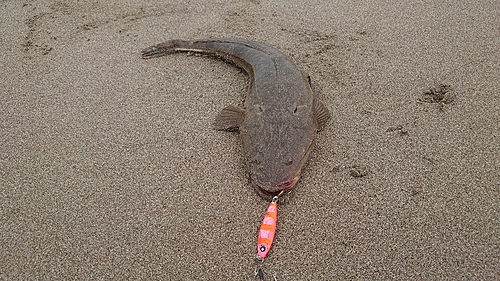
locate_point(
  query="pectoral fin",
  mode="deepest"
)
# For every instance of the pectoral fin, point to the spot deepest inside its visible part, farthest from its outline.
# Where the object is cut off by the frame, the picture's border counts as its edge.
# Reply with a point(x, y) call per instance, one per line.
point(229, 118)
point(320, 113)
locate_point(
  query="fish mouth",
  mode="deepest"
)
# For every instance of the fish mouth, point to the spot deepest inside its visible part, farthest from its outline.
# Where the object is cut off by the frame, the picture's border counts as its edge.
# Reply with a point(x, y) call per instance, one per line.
point(285, 186)
point(288, 184)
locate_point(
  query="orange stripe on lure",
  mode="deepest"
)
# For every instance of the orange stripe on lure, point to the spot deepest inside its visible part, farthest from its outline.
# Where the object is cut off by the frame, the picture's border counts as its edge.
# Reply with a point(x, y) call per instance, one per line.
point(268, 228)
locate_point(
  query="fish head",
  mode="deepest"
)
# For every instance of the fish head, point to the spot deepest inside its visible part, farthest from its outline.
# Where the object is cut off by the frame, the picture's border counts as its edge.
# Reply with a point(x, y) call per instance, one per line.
point(271, 176)
point(276, 150)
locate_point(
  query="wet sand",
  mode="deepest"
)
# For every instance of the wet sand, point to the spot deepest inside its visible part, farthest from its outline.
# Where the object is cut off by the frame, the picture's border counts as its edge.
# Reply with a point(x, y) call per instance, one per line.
point(110, 168)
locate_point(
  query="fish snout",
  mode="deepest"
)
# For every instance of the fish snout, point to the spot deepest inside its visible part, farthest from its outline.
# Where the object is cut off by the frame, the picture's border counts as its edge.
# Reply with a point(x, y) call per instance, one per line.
point(268, 192)
point(288, 184)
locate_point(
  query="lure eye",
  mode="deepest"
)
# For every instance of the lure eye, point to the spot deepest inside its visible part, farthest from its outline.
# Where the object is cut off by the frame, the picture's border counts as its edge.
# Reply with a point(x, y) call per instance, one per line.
point(262, 248)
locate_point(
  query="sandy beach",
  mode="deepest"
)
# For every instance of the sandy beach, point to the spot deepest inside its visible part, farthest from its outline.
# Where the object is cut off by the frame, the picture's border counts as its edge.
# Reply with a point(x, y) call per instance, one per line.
point(111, 169)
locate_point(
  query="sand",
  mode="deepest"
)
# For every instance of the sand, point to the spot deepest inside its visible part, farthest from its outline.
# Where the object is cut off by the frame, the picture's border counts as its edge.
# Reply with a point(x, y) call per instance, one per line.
point(110, 168)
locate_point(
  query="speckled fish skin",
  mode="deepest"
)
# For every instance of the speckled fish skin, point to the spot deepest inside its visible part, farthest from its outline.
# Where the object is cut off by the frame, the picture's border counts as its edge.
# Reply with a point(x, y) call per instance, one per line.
point(281, 115)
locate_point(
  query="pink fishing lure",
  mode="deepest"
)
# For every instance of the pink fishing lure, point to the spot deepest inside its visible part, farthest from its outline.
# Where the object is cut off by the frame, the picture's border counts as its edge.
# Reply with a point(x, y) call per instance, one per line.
point(267, 229)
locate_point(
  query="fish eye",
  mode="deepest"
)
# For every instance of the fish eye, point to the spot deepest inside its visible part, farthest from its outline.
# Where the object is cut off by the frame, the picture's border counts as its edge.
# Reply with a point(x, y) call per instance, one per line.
point(262, 248)
point(295, 110)
point(289, 162)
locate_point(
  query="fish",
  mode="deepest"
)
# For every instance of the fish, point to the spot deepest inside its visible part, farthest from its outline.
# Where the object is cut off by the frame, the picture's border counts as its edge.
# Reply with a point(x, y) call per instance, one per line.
point(281, 116)
point(267, 229)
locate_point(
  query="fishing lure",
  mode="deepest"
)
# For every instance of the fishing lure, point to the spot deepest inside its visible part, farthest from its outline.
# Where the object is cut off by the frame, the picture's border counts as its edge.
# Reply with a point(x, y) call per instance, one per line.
point(268, 228)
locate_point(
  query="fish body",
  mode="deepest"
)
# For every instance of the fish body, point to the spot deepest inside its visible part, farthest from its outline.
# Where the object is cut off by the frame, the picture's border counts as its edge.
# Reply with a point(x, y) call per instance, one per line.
point(281, 115)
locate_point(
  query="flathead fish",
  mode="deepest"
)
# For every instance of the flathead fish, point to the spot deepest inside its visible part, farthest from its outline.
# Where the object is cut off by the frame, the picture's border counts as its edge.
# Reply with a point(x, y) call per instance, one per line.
point(281, 115)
